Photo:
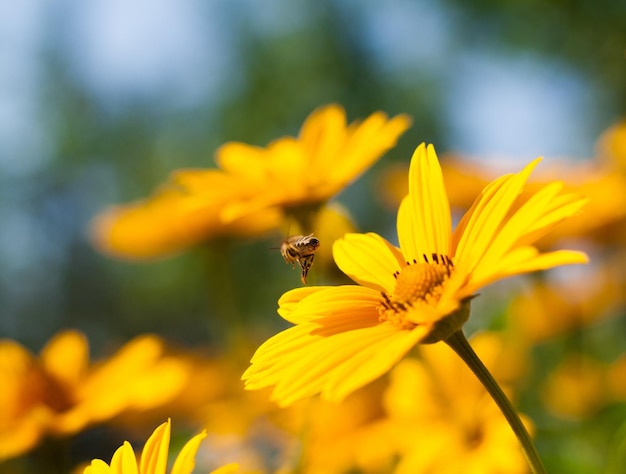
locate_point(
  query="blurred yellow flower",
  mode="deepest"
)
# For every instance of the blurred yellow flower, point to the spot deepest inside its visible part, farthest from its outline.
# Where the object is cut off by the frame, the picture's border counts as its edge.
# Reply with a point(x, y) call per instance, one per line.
point(612, 146)
point(602, 179)
point(60, 393)
point(616, 379)
point(173, 219)
point(437, 427)
point(346, 336)
point(577, 388)
point(553, 308)
point(580, 386)
point(154, 457)
point(253, 189)
point(304, 172)
point(350, 436)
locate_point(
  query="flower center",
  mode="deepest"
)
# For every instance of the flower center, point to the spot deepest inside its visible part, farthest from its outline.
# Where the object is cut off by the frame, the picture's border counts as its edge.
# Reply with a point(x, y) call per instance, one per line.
point(417, 284)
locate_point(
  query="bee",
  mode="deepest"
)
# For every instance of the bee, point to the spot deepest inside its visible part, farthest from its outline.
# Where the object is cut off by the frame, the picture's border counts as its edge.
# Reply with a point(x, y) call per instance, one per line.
point(301, 249)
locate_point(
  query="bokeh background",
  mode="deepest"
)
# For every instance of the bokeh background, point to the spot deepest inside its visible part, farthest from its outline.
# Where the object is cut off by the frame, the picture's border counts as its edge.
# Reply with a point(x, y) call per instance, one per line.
point(100, 100)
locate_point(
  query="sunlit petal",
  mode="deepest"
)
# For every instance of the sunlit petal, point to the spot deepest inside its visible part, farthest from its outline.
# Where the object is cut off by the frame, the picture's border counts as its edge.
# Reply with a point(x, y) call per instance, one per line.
point(289, 300)
point(311, 363)
point(155, 451)
point(429, 203)
point(124, 460)
point(368, 259)
point(335, 302)
point(487, 216)
point(186, 459)
point(98, 466)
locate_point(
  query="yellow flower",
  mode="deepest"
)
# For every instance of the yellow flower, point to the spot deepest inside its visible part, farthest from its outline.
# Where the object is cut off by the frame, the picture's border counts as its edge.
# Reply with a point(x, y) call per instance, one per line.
point(174, 219)
point(306, 171)
point(577, 387)
point(552, 308)
point(60, 393)
point(154, 457)
point(346, 437)
point(612, 145)
point(436, 427)
point(346, 336)
point(253, 189)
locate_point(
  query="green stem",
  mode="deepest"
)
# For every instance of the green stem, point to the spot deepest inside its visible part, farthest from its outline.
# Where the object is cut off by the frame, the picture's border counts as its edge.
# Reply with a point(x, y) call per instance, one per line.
point(461, 346)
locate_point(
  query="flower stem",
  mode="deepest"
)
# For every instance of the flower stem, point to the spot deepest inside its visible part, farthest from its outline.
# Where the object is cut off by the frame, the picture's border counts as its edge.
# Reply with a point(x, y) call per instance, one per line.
point(461, 346)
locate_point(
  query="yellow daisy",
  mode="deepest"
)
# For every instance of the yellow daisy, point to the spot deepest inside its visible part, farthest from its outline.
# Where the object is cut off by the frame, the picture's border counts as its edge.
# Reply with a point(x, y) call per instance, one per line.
point(175, 218)
point(62, 392)
point(304, 172)
point(435, 427)
point(154, 457)
point(253, 189)
point(347, 336)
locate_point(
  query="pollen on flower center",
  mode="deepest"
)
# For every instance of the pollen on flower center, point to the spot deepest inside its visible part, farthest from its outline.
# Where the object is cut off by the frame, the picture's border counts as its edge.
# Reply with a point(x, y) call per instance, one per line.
point(418, 283)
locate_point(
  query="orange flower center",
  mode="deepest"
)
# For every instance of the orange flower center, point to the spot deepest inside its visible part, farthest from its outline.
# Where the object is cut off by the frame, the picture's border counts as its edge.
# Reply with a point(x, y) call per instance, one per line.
point(417, 284)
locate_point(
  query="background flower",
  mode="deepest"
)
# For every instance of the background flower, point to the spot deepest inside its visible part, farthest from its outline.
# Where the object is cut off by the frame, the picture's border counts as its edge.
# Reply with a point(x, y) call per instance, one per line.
point(154, 458)
point(253, 187)
point(62, 393)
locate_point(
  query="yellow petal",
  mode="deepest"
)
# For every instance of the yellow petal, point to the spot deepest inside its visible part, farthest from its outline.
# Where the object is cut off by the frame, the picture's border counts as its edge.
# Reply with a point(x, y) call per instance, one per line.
point(306, 363)
point(231, 468)
point(98, 466)
point(66, 356)
point(154, 454)
point(487, 214)
point(338, 302)
point(365, 143)
point(186, 459)
point(538, 215)
point(523, 260)
point(549, 260)
point(429, 210)
point(368, 259)
point(289, 300)
point(124, 460)
point(243, 160)
point(560, 208)
point(518, 225)
point(323, 132)
point(371, 361)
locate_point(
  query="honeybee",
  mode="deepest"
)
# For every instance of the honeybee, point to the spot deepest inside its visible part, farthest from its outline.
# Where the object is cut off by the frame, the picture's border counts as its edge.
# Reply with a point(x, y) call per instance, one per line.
point(301, 249)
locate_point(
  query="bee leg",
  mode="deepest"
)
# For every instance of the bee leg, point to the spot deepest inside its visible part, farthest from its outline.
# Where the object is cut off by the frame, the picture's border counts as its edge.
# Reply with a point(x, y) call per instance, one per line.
point(305, 263)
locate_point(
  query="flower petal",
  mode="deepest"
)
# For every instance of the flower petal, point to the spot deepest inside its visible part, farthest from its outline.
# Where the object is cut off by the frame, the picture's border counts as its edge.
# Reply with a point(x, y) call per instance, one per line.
point(538, 215)
point(301, 362)
point(288, 302)
point(323, 132)
point(186, 459)
point(424, 225)
point(66, 357)
point(372, 360)
point(483, 221)
point(98, 466)
point(333, 302)
point(154, 455)
point(231, 468)
point(368, 259)
point(523, 260)
point(548, 260)
point(365, 143)
point(124, 460)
